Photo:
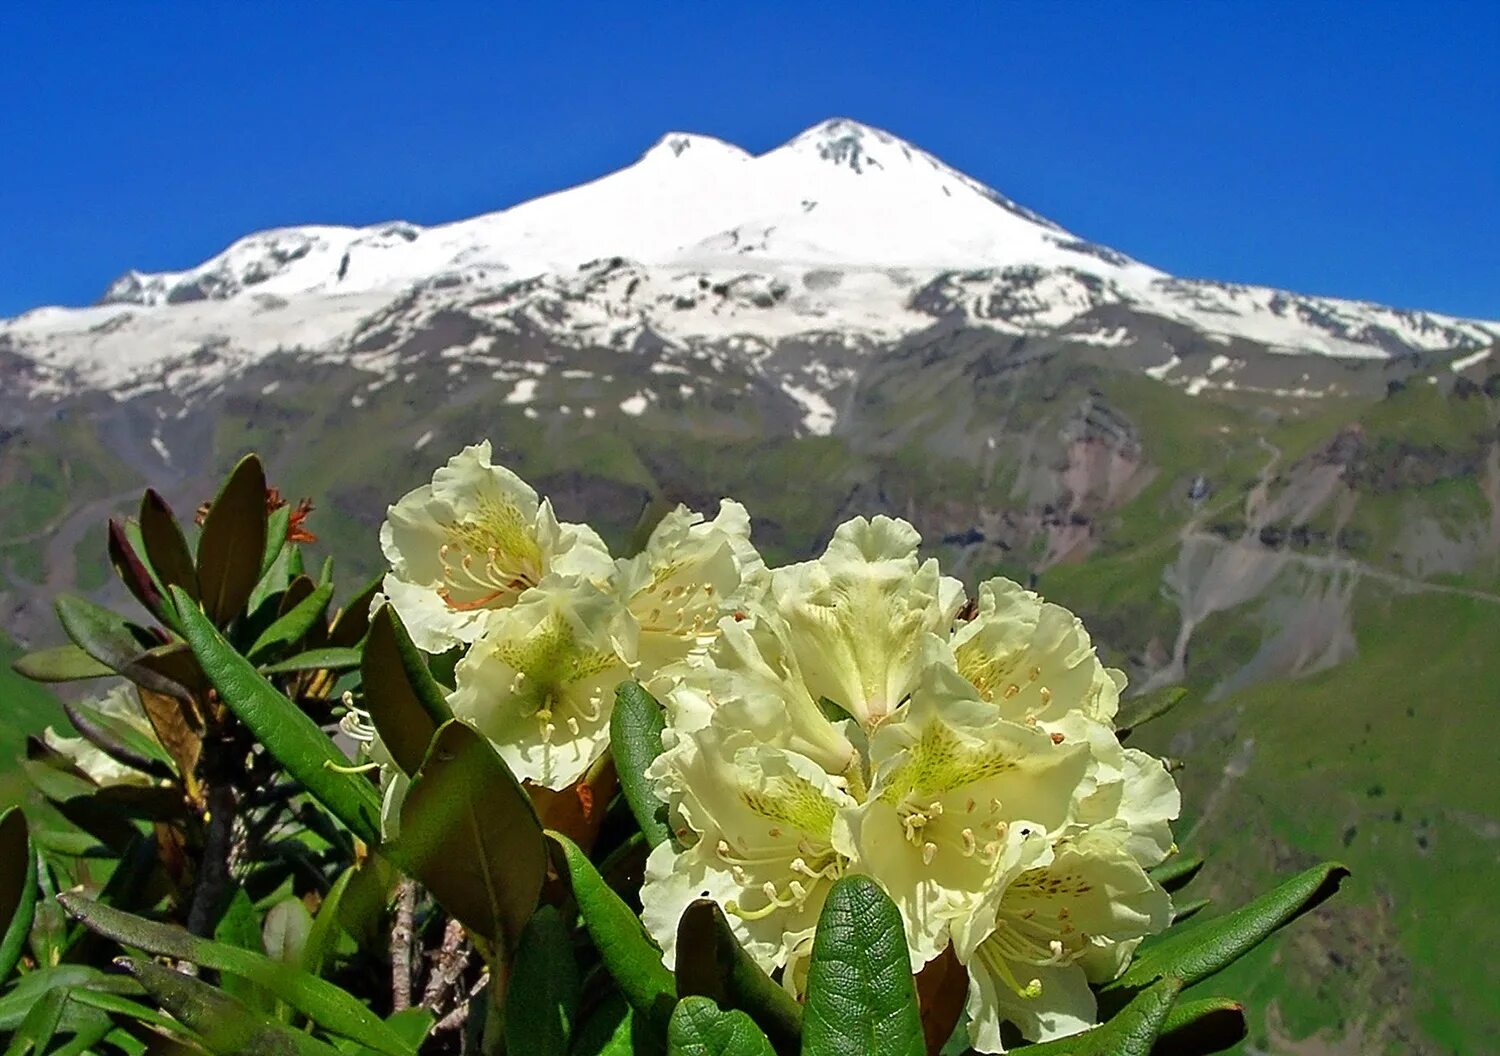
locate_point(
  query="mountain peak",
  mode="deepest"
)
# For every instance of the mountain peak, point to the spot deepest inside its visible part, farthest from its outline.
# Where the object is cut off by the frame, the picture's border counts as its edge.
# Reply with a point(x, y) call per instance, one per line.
point(847, 143)
point(693, 146)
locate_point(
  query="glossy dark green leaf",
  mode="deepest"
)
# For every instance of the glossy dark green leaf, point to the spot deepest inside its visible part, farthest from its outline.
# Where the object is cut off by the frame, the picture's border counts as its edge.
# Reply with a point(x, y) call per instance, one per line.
point(635, 729)
point(1198, 1028)
point(1133, 1031)
point(62, 663)
point(403, 699)
point(1198, 952)
point(711, 963)
point(325, 1004)
point(541, 1005)
point(700, 1028)
point(353, 621)
point(288, 734)
point(224, 1024)
point(166, 548)
point(233, 543)
point(292, 626)
point(113, 641)
point(861, 998)
point(1176, 872)
point(470, 835)
point(17, 888)
point(624, 947)
point(327, 659)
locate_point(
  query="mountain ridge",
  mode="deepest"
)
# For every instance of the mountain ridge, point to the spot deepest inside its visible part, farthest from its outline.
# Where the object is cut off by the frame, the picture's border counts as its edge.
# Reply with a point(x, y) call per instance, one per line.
point(846, 228)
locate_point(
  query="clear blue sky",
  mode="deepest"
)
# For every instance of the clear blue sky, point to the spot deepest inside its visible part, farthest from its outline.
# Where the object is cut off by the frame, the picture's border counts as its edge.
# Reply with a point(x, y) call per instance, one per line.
point(1346, 149)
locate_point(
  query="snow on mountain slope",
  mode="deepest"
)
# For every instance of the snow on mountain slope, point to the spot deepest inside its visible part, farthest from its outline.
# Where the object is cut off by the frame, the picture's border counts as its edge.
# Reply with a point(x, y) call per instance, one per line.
point(843, 229)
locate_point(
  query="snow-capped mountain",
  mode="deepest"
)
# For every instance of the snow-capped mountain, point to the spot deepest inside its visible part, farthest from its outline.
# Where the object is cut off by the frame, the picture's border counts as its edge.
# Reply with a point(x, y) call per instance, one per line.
point(844, 230)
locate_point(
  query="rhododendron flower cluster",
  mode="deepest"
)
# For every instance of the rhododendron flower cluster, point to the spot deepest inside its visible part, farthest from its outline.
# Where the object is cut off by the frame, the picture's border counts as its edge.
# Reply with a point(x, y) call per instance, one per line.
point(855, 713)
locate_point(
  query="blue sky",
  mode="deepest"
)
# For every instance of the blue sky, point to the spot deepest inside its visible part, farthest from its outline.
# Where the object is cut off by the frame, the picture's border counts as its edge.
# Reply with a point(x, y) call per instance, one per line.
point(1344, 149)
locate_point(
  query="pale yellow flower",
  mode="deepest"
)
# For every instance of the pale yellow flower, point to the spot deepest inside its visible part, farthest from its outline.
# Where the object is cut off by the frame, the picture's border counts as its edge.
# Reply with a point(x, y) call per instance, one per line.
point(540, 683)
point(470, 543)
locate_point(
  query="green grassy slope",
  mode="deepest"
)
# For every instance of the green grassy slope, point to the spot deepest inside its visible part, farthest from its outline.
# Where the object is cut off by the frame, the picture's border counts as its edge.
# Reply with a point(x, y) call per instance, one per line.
point(25, 708)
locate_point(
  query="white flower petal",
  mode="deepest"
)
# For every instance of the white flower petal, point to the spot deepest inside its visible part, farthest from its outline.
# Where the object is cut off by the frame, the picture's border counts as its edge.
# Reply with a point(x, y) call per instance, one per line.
point(540, 684)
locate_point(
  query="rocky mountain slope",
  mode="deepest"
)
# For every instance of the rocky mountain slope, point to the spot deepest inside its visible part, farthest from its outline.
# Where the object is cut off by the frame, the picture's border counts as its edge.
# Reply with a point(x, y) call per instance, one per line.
point(1289, 504)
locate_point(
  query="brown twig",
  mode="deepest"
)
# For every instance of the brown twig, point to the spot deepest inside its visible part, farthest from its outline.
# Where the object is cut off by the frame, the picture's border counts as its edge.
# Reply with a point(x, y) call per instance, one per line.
point(455, 1019)
point(401, 945)
point(452, 959)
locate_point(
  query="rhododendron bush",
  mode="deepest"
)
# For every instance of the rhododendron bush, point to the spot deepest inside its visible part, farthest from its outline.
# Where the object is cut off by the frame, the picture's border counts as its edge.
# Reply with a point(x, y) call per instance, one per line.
point(522, 794)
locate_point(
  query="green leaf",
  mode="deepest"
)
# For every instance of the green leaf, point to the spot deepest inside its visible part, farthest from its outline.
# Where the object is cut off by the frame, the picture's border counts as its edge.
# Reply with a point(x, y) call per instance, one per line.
point(289, 735)
point(469, 833)
point(120, 741)
point(1148, 709)
point(1131, 1032)
point(233, 543)
point(240, 927)
point(17, 888)
point(861, 998)
point(41, 1023)
point(353, 620)
point(542, 1003)
point(612, 1029)
point(292, 627)
point(711, 963)
point(325, 1004)
point(626, 949)
point(412, 1026)
point(278, 523)
point(223, 1023)
point(403, 699)
point(700, 1028)
point(1175, 873)
point(635, 729)
point(327, 659)
point(1198, 952)
point(123, 1006)
point(29, 989)
point(1182, 911)
point(317, 953)
point(113, 641)
point(1197, 1028)
point(62, 663)
point(166, 548)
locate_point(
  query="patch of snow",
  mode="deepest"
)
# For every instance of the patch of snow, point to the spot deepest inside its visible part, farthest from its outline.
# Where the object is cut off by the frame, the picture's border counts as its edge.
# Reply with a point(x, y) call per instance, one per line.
point(635, 406)
point(819, 417)
point(1460, 365)
point(422, 441)
point(524, 391)
point(1161, 370)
